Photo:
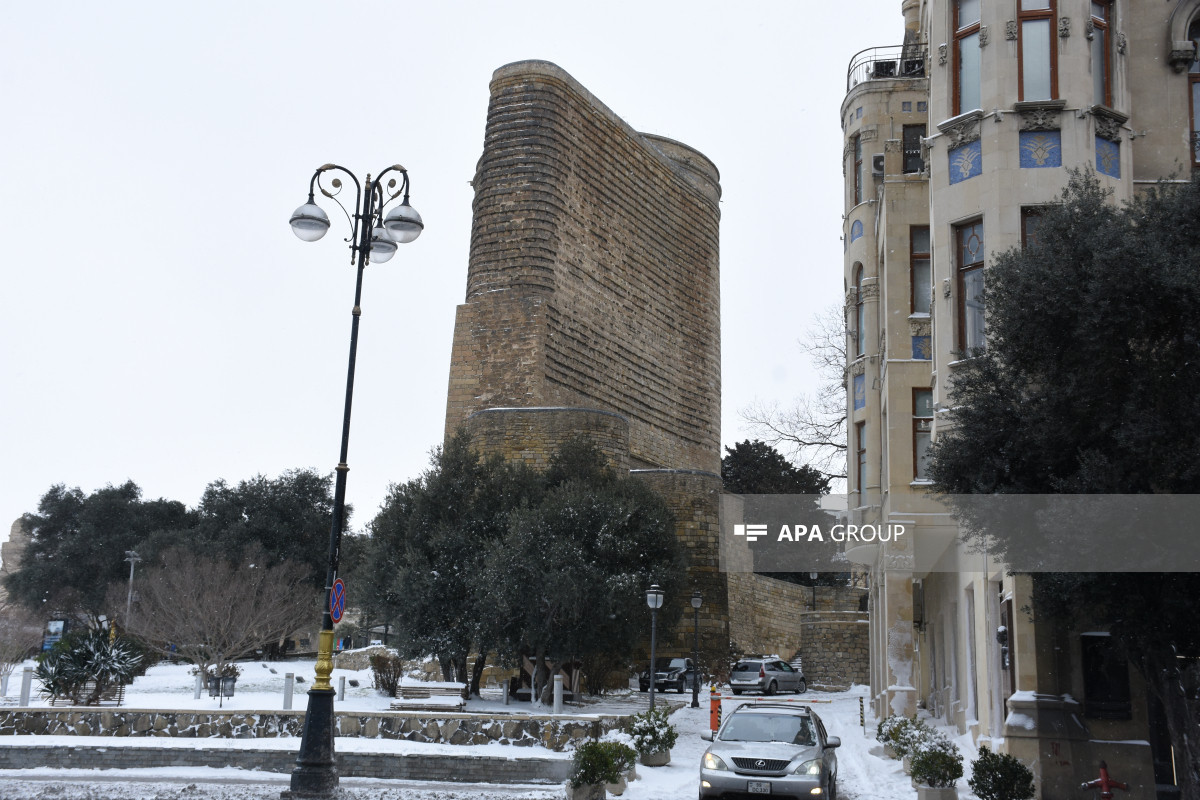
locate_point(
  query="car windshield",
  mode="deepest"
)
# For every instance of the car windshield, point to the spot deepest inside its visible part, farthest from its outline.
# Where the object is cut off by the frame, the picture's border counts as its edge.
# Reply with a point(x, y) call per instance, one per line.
point(664, 664)
point(747, 666)
point(788, 728)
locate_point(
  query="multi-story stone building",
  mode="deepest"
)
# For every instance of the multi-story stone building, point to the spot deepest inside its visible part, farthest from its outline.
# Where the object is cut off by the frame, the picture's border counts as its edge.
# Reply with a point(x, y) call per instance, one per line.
point(953, 140)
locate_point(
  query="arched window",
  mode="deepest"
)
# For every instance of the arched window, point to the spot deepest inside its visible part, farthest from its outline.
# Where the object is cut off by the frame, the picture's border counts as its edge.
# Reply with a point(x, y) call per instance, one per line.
point(860, 314)
point(1101, 56)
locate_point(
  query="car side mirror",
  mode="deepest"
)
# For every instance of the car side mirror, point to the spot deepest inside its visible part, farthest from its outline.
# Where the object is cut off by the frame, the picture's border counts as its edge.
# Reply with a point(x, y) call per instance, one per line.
point(706, 735)
point(832, 742)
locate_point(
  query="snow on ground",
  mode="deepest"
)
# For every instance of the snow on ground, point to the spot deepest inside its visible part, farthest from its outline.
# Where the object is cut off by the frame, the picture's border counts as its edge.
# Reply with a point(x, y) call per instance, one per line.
point(865, 773)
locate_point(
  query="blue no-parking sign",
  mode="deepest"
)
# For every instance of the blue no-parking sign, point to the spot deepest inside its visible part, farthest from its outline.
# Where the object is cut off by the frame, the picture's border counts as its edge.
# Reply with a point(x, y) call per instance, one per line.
point(337, 600)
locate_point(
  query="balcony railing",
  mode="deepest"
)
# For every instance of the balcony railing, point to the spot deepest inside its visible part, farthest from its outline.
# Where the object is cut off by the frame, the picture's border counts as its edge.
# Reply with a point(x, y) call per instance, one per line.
point(896, 61)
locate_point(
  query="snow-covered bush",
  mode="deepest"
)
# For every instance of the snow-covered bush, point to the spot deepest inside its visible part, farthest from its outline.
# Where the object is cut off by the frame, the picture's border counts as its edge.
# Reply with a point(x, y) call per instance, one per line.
point(600, 762)
point(890, 730)
point(387, 668)
point(652, 731)
point(93, 657)
point(903, 734)
point(936, 760)
point(1000, 777)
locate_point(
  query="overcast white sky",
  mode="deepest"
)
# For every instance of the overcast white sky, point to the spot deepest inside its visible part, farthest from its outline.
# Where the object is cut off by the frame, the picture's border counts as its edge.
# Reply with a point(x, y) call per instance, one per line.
point(160, 322)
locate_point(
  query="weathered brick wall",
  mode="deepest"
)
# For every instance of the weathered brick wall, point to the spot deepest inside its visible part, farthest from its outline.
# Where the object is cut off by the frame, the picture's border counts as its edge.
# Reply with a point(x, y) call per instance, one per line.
point(533, 435)
point(835, 648)
point(593, 276)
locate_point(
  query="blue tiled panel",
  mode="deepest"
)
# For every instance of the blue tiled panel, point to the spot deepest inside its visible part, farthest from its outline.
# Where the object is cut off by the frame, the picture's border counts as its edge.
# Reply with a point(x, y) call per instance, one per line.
point(922, 105)
point(966, 162)
point(856, 230)
point(1041, 149)
point(922, 347)
point(906, 105)
point(860, 392)
point(1108, 158)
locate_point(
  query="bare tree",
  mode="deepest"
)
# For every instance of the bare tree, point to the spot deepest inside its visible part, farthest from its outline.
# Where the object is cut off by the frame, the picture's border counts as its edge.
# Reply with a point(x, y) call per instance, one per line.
point(812, 429)
point(212, 612)
point(20, 634)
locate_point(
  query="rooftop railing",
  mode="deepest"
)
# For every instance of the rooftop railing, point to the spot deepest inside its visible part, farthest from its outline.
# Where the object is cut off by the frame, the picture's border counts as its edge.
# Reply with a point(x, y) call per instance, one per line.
point(895, 61)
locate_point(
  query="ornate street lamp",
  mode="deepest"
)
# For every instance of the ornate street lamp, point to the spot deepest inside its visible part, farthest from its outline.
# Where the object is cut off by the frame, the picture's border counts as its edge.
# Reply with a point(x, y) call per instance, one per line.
point(697, 601)
point(373, 237)
point(654, 599)
point(132, 557)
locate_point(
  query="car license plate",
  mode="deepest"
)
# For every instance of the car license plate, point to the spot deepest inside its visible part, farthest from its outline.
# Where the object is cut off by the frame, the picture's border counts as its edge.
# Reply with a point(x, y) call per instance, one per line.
point(758, 787)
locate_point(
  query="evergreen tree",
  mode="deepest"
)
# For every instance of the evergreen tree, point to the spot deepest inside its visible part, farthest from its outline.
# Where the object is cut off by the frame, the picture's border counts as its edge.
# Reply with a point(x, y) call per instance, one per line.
point(753, 467)
point(1089, 385)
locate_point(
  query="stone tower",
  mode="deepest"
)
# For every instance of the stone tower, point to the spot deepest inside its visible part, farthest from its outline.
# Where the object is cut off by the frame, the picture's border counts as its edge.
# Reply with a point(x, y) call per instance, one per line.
point(593, 302)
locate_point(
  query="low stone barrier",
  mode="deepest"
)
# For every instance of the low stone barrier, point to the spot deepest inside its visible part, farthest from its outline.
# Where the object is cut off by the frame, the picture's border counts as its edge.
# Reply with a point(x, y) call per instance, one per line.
point(556, 733)
point(416, 767)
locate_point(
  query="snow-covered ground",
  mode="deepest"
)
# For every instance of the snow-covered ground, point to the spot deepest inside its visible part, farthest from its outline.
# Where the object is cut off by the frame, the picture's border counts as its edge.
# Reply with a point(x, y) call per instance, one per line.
point(865, 773)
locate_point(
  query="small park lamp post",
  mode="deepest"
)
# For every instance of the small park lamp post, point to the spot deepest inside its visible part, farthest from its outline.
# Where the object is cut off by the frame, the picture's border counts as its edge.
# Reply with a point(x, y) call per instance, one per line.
point(132, 557)
point(373, 237)
point(697, 601)
point(654, 599)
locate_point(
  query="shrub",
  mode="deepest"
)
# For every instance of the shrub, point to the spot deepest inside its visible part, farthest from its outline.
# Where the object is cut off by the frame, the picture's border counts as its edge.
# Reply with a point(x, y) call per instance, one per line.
point(91, 656)
point(652, 731)
point(904, 735)
point(936, 761)
point(891, 729)
point(388, 670)
point(600, 762)
point(1000, 777)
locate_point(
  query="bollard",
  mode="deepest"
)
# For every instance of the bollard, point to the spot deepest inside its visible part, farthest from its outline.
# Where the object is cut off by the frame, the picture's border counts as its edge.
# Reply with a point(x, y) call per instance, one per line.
point(558, 694)
point(288, 680)
point(714, 708)
point(4, 685)
point(862, 717)
point(506, 692)
point(342, 688)
point(199, 684)
point(26, 685)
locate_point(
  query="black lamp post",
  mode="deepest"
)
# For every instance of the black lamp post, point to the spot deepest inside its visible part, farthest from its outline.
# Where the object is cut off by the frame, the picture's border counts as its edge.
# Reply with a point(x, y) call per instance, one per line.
point(133, 558)
point(697, 600)
point(654, 599)
point(373, 237)
point(812, 576)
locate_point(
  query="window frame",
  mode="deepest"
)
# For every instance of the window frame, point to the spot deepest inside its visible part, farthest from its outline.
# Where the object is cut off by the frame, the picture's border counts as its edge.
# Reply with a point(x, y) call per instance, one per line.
point(860, 455)
point(961, 272)
point(916, 425)
point(1029, 214)
point(860, 313)
point(1101, 28)
point(958, 35)
point(1194, 92)
point(913, 256)
point(1050, 14)
point(921, 130)
point(858, 169)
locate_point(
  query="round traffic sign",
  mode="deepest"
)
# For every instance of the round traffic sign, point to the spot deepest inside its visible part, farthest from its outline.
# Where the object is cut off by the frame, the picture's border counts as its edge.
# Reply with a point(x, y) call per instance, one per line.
point(337, 600)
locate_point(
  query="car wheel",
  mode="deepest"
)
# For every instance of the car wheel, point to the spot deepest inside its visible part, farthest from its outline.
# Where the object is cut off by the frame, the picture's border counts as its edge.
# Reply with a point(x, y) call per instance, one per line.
point(833, 789)
point(737, 691)
point(771, 687)
point(681, 686)
point(643, 688)
point(802, 686)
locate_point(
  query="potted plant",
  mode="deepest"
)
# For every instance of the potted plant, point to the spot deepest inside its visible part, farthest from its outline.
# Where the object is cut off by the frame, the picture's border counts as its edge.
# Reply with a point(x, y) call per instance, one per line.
point(999, 776)
point(596, 764)
point(936, 765)
point(653, 737)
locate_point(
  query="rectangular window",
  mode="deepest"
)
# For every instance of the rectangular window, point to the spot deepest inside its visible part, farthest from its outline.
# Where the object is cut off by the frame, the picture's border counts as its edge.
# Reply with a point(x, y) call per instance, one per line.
point(858, 170)
point(860, 451)
point(1037, 57)
point(1101, 68)
point(969, 254)
point(1030, 219)
point(966, 55)
point(919, 268)
point(913, 134)
point(922, 432)
point(1194, 94)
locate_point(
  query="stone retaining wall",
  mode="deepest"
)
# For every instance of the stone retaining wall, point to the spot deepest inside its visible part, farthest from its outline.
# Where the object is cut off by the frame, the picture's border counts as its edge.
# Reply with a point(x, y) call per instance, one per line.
point(424, 767)
point(835, 648)
point(555, 733)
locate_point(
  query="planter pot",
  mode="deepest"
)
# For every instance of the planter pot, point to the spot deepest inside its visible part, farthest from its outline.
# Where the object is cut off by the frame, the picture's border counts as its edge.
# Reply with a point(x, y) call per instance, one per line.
point(937, 793)
point(616, 789)
point(889, 751)
point(589, 791)
point(906, 765)
point(659, 759)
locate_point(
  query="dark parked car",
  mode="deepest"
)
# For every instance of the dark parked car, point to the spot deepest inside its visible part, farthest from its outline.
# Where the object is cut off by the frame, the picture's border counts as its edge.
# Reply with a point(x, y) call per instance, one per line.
point(766, 675)
point(670, 673)
point(771, 749)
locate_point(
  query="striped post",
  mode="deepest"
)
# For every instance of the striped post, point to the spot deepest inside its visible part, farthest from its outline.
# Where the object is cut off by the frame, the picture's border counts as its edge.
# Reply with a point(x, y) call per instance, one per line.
point(714, 708)
point(862, 717)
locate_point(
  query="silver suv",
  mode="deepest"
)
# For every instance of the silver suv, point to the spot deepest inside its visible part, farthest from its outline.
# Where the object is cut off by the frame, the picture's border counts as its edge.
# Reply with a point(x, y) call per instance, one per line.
point(770, 749)
point(766, 675)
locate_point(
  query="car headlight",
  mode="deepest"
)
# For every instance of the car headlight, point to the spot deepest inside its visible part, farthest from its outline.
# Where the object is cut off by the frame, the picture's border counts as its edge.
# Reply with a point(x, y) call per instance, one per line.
point(714, 762)
point(809, 768)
